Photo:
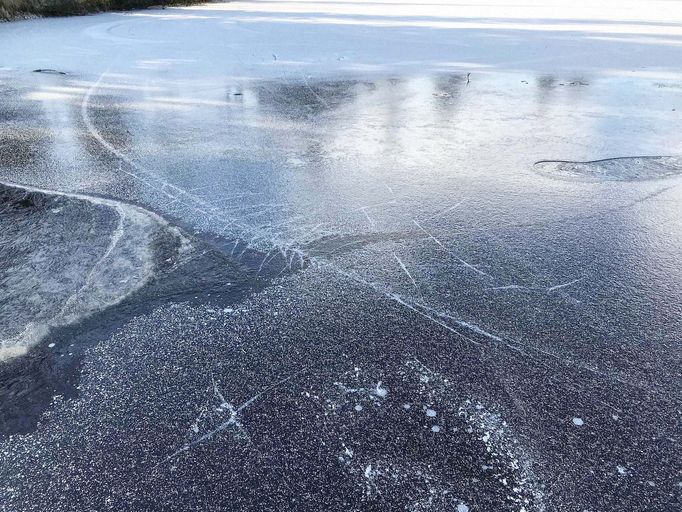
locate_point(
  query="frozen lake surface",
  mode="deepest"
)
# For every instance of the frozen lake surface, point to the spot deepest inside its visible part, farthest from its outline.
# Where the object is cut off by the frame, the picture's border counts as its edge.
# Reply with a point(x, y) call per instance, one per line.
point(319, 255)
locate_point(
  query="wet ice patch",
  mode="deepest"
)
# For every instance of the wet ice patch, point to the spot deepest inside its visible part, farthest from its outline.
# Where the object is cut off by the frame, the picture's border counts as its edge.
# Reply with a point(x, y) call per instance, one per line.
point(638, 168)
point(578, 422)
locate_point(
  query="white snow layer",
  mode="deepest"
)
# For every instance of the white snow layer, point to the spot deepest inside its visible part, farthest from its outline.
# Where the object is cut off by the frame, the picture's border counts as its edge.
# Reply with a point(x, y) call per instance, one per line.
point(318, 37)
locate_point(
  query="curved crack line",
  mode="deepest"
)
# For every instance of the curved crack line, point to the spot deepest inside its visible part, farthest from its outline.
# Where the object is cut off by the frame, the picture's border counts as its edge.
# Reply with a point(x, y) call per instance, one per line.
point(115, 238)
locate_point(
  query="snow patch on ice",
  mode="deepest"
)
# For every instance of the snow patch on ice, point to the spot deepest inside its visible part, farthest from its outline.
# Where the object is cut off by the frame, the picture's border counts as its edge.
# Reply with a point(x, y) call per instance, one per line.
point(98, 280)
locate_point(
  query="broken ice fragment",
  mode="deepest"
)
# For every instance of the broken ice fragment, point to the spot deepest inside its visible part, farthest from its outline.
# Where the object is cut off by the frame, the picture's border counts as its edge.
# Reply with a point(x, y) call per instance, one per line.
point(379, 391)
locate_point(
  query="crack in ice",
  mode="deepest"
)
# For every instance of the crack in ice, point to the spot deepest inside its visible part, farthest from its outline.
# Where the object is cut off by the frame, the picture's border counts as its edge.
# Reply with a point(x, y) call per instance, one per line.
point(234, 415)
point(440, 244)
